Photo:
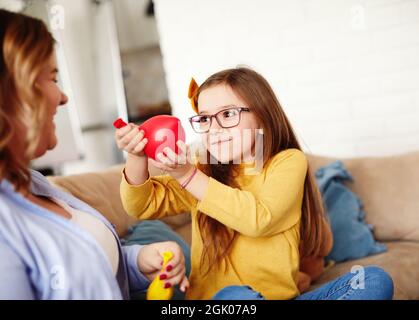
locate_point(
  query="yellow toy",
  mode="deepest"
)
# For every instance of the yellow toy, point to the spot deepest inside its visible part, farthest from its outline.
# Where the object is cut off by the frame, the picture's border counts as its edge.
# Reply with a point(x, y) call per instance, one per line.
point(156, 290)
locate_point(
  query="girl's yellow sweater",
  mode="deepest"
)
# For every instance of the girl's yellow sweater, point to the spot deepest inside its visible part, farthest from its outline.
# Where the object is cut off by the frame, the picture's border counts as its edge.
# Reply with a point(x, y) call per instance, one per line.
point(266, 214)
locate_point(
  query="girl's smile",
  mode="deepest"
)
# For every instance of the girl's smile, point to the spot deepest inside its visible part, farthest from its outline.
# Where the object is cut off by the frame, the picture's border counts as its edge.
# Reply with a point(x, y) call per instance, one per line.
point(222, 140)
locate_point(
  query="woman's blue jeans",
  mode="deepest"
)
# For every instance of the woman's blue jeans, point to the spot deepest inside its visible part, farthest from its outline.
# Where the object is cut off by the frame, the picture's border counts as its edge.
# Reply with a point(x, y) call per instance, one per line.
point(375, 284)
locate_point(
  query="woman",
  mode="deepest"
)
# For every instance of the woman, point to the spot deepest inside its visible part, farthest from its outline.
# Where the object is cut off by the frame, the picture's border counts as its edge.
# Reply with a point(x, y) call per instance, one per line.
point(52, 245)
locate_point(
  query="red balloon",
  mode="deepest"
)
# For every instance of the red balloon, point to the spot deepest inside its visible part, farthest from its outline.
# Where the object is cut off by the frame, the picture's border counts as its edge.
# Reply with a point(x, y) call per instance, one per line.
point(161, 131)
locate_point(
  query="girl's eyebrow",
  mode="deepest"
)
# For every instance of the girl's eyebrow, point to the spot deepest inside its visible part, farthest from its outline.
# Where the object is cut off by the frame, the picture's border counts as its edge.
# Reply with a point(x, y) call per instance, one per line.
point(55, 70)
point(219, 108)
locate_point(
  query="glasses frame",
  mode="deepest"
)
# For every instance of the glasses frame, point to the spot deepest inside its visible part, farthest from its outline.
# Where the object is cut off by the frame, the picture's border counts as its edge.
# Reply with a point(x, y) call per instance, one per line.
point(239, 109)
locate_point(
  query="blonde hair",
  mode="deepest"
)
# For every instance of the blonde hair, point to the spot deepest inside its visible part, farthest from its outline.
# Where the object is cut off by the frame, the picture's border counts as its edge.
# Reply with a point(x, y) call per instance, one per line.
point(26, 45)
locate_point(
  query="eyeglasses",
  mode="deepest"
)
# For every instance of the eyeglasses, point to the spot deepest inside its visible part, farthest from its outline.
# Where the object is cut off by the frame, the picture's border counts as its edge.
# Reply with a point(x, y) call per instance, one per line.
point(226, 118)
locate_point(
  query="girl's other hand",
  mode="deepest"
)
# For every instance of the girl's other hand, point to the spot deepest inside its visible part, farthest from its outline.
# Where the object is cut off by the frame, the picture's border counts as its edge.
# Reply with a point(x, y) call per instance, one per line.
point(177, 165)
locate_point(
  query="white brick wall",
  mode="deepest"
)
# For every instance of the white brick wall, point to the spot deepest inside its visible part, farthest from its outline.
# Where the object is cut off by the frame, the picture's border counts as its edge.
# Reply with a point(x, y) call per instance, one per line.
point(346, 72)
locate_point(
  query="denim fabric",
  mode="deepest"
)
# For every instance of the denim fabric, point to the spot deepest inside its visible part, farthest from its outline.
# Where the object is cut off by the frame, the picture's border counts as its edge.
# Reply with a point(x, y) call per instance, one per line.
point(376, 285)
point(352, 237)
point(238, 293)
point(372, 283)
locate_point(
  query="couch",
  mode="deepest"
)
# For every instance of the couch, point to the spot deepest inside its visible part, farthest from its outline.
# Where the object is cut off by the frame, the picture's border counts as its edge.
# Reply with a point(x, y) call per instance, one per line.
point(388, 186)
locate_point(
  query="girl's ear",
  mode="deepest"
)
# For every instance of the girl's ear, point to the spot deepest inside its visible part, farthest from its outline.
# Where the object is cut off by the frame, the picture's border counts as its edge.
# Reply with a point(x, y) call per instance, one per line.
point(193, 89)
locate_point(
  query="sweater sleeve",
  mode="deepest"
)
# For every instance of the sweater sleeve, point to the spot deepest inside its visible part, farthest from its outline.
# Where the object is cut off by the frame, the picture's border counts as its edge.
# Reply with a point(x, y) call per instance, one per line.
point(157, 197)
point(274, 208)
point(137, 281)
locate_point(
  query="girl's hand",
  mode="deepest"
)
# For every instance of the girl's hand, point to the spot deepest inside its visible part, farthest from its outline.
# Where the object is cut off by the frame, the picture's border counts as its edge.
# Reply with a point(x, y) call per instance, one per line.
point(132, 140)
point(150, 262)
point(178, 166)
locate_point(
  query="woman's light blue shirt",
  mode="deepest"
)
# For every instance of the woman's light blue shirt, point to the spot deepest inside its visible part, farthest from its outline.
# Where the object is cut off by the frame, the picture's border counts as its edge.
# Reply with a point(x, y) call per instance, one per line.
point(45, 256)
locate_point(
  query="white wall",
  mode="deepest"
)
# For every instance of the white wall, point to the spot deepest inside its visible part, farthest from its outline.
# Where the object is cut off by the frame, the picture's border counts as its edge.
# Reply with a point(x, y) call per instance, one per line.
point(346, 72)
point(142, 66)
point(91, 47)
point(70, 143)
point(12, 5)
point(135, 31)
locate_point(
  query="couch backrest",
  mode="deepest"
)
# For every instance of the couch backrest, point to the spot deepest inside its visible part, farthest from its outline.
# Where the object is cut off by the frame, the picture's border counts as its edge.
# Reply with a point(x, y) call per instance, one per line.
point(389, 189)
point(101, 191)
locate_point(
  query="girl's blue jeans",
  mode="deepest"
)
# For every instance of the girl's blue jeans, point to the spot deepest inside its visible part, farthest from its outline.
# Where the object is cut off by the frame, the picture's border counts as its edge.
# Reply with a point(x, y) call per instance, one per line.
point(373, 284)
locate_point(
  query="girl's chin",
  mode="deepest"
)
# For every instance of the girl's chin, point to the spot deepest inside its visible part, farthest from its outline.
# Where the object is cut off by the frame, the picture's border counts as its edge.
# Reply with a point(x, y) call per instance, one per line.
point(221, 158)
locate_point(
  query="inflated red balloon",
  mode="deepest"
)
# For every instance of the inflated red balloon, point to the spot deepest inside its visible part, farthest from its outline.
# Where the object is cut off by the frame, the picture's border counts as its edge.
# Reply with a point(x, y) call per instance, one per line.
point(161, 132)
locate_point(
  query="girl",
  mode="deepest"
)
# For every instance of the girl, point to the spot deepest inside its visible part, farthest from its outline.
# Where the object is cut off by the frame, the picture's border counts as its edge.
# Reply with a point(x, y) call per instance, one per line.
point(247, 229)
point(52, 245)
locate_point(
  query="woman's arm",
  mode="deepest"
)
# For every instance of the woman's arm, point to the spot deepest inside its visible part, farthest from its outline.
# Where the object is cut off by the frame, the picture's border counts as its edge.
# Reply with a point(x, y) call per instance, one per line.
point(14, 280)
point(137, 281)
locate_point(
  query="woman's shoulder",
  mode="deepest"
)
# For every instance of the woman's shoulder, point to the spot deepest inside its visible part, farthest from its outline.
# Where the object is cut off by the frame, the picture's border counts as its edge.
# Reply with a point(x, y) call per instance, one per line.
point(4, 204)
point(10, 198)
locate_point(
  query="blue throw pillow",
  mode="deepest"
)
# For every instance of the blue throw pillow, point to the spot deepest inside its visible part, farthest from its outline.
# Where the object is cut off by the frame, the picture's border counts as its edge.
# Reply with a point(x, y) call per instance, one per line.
point(352, 237)
point(150, 231)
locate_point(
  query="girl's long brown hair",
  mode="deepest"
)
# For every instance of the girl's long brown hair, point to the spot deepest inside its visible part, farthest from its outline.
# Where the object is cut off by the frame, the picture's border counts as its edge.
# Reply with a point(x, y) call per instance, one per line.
point(278, 136)
point(25, 45)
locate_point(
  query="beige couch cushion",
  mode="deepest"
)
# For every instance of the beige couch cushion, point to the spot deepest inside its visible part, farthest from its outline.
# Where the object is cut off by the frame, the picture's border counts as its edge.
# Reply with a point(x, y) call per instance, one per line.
point(401, 261)
point(389, 189)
